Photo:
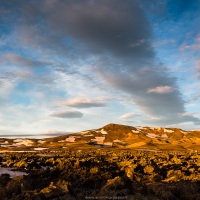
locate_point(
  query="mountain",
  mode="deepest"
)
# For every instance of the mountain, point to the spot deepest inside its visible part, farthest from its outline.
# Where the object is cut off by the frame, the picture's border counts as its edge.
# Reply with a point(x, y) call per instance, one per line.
point(112, 136)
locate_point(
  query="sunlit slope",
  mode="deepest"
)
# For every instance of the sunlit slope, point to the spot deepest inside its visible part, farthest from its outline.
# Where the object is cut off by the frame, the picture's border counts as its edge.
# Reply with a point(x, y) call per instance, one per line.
point(141, 138)
point(113, 136)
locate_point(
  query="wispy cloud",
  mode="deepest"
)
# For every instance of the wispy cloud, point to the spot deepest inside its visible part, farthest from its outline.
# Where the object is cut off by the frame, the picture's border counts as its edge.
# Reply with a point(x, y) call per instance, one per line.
point(193, 98)
point(164, 42)
point(160, 89)
point(14, 59)
point(127, 116)
point(67, 114)
point(83, 103)
point(193, 47)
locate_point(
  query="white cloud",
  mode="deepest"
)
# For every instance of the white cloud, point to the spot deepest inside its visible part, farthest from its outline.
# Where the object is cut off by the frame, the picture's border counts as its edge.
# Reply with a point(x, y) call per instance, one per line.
point(160, 89)
point(127, 115)
point(83, 102)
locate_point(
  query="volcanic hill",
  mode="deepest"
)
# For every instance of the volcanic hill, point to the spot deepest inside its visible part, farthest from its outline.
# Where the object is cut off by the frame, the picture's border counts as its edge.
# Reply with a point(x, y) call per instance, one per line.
point(112, 136)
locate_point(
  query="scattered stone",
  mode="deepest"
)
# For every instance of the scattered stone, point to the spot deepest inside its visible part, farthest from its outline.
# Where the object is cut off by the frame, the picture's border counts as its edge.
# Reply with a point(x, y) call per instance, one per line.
point(94, 170)
point(90, 173)
point(148, 169)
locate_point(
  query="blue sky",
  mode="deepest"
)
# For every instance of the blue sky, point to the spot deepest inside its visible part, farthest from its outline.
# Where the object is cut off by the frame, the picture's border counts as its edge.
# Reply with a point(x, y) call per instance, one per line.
point(74, 65)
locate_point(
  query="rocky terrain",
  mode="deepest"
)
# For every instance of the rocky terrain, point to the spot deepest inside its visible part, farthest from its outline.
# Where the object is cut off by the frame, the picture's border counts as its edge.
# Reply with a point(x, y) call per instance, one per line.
point(103, 174)
point(113, 162)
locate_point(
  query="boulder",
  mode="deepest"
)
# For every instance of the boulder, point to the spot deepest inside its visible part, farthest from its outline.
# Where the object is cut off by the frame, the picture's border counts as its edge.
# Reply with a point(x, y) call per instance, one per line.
point(112, 184)
point(148, 169)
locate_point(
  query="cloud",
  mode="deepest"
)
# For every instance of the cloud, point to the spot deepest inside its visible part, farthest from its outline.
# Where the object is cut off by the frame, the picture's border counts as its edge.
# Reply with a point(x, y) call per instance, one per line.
point(198, 68)
point(193, 47)
point(164, 42)
point(160, 89)
point(187, 114)
point(194, 98)
point(67, 114)
point(83, 103)
point(119, 33)
point(6, 87)
point(127, 115)
point(114, 38)
point(14, 59)
point(105, 26)
point(179, 119)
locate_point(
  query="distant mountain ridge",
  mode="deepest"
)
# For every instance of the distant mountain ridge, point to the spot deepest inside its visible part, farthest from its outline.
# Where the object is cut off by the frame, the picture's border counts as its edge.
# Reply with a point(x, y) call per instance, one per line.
point(114, 136)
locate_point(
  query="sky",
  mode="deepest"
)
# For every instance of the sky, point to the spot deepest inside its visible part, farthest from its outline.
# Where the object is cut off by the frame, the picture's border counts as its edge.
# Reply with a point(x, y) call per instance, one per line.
point(68, 66)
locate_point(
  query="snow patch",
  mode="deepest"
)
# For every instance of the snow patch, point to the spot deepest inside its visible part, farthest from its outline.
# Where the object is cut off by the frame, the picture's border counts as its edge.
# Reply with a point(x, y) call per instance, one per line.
point(99, 140)
point(88, 135)
point(117, 141)
point(70, 139)
point(103, 132)
point(168, 131)
point(41, 141)
point(151, 135)
point(39, 148)
point(135, 131)
point(108, 144)
point(164, 136)
point(184, 132)
point(19, 142)
point(2, 145)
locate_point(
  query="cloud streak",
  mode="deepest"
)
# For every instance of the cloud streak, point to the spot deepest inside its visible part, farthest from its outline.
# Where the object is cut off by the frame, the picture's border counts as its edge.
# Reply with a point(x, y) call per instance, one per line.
point(127, 116)
point(82, 103)
point(15, 59)
point(67, 114)
point(160, 89)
